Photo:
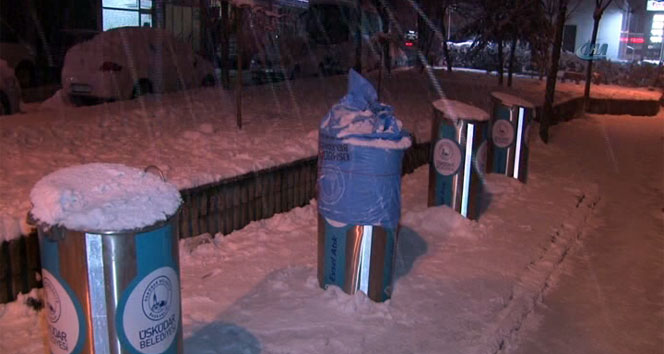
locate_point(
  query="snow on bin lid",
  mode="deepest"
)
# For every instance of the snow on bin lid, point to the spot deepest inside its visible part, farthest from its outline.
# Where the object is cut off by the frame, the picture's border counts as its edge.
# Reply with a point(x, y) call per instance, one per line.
point(103, 197)
point(511, 100)
point(458, 110)
point(360, 119)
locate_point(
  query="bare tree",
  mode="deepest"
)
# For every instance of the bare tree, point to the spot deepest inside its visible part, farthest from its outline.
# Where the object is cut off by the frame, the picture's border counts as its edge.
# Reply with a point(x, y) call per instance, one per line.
point(239, 14)
point(527, 24)
point(547, 111)
point(600, 6)
point(357, 34)
point(225, 44)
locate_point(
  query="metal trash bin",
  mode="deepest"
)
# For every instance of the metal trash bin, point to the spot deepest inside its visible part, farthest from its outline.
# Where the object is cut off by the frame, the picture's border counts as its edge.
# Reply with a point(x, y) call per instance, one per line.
point(111, 276)
point(356, 258)
point(361, 149)
point(458, 156)
point(510, 124)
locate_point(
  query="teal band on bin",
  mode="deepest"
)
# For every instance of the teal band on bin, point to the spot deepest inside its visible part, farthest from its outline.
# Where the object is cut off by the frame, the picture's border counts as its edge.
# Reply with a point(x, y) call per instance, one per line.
point(50, 258)
point(154, 250)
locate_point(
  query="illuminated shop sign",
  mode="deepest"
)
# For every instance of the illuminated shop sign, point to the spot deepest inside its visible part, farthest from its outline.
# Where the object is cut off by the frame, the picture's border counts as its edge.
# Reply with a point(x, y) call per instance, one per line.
point(592, 52)
point(633, 40)
point(655, 5)
point(657, 29)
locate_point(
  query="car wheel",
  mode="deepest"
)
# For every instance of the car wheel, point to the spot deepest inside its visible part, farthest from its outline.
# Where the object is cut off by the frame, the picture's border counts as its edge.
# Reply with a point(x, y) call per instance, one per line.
point(208, 81)
point(5, 109)
point(142, 88)
point(25, 74)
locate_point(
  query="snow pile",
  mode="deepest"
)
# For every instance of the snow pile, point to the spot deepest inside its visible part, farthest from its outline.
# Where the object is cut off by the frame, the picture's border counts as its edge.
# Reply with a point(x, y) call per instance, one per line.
point(511, 100)
point(103, 197)
point(456, 110)
point(59, 100)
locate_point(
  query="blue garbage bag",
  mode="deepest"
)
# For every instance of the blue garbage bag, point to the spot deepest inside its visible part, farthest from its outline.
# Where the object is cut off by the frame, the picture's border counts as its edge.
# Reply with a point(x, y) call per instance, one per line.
point(361, 147)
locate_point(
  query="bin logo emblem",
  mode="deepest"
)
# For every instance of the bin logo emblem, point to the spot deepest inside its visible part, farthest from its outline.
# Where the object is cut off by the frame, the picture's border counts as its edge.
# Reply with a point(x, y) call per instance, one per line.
point(53, 305)
point(447, 157)
point(157, 298)
point(331, 185)
point(151, 315)
point(502, 133)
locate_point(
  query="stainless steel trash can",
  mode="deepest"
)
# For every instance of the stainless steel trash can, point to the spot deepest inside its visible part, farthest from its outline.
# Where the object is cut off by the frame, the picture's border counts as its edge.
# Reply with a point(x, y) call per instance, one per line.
point(356, 258)
point(510, 124)
point(458, 156)
point(109, 291)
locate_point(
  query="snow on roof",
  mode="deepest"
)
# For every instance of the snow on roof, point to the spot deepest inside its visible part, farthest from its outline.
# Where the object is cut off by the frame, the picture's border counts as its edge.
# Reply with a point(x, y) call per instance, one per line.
point(103, 197)
point(511, 100)
point(459, 110)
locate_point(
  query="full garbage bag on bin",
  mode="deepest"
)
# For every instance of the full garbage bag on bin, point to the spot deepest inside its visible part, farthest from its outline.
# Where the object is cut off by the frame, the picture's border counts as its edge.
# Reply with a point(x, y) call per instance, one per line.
point(361, 146)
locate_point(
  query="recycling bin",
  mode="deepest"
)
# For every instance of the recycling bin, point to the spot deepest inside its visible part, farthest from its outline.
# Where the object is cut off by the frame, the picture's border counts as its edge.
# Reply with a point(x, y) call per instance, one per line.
point(510, 135)
point(356, 258)
point(458, 156)
point(109, 253)
point(361, 148)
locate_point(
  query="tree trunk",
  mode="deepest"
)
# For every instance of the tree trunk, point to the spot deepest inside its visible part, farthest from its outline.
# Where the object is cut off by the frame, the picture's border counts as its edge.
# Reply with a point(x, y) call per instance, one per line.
point(385, 18)
point(510, 65)
point(238, 78)
point(500, 62)
point(225, 43)
point(589, 67)
point(422, 43)
point(358, 38)
point(443, 31)
point(204, 30)
point(547, 111)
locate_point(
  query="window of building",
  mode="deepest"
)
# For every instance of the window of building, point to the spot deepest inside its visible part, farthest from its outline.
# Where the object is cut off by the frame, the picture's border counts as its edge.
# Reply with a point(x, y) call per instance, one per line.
point(121, 13)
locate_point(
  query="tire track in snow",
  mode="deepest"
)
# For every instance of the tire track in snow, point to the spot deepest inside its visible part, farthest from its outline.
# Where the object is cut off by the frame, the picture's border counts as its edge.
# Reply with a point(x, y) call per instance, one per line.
point(540, 276)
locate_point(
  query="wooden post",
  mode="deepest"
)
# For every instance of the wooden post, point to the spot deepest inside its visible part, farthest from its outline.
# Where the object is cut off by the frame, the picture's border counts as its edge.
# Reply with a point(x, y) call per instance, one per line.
point(238, 80)
point(225, 44)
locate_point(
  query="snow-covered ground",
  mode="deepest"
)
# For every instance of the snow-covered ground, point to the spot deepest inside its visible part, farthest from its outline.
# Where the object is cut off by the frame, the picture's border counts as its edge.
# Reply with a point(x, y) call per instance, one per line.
point(192, 137)
point(255, 290)
point(462, 286)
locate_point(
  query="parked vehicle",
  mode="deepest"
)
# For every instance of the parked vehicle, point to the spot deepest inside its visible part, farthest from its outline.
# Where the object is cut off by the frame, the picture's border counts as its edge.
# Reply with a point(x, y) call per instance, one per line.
point(266, 69)
point(329, 28)
point(18, 55)
point(128, 62)
point(10, 91)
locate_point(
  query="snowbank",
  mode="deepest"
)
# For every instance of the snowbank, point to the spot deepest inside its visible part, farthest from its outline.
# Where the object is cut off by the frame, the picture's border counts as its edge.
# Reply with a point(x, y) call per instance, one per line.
point(103, 197)
point(192, 135)
point(456, 110)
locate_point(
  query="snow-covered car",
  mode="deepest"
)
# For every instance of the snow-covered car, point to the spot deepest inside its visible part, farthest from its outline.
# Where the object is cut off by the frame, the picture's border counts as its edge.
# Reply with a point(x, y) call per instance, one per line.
point(127, 62)
point(18, 55)
point(10, 90)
